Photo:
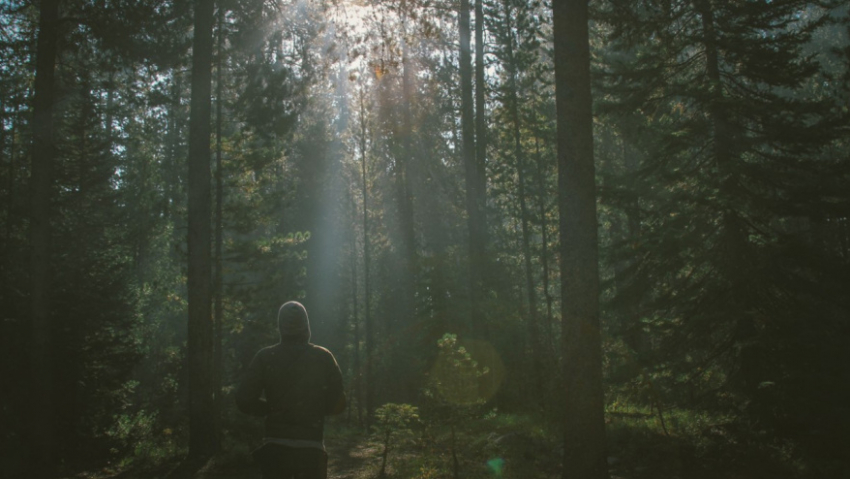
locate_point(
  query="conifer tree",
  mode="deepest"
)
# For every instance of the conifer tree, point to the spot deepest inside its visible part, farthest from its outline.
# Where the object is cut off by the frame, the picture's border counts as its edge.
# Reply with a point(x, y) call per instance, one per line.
point(42, 399)
point(203, 438)
point(730, 148)
point(584, 423)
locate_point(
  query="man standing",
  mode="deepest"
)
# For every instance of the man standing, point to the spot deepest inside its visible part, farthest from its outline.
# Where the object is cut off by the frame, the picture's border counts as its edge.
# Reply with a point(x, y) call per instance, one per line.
point(302, 384)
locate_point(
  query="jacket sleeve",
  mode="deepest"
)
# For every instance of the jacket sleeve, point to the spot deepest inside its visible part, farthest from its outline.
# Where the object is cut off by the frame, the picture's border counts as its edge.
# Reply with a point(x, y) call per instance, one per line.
point(248, 393)
point(336, 393)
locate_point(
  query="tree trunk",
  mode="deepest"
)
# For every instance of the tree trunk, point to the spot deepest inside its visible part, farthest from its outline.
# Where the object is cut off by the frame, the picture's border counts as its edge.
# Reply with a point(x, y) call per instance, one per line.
point(218, 361)
point(367, 285)
point(470, 168)
point(41, 400)
point(8, 193)
point(480, 145)
point(544, 244)
point(405, 196)
point(202, 434)
point(584, 425)
point(519, 157)
point(355, 305)
point(408, 254)
point(11, 219)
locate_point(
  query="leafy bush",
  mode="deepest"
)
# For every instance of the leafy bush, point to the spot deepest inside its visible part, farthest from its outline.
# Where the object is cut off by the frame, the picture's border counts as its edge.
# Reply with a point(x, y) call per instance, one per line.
point(395, 422)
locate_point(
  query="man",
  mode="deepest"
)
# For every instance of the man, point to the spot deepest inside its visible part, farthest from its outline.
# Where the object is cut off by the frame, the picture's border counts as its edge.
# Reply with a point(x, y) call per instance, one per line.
point(302, 384)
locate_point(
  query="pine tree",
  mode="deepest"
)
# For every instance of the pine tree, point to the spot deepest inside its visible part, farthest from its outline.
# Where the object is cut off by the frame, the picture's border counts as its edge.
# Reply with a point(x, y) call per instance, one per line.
point(202, 436)
point(42, 450)
point(731, 148)
point(584, 426)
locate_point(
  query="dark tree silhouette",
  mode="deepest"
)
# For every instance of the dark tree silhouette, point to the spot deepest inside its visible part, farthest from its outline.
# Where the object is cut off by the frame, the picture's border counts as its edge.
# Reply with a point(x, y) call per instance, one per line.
point(202, 436)
point(584, 425)
point(43, 153)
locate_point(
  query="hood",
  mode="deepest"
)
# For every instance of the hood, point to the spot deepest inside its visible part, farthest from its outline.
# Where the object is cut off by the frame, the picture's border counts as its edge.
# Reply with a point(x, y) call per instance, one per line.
point(293, 323)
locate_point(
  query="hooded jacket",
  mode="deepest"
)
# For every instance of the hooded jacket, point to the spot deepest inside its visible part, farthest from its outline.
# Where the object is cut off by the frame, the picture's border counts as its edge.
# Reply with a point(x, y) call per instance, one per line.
point(301, 382)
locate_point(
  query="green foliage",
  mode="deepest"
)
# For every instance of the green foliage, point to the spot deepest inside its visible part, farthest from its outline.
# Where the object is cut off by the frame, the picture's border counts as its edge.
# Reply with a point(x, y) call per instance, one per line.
point(723, 228)
point(141, 442)
point(456, 376)
point(721, 178)
point(394, 425)
point(396, 418)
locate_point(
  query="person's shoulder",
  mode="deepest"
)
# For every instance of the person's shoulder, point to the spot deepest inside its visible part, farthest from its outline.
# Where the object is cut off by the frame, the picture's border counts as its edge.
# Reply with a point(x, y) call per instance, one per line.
point(268, 351)
point(320, 351)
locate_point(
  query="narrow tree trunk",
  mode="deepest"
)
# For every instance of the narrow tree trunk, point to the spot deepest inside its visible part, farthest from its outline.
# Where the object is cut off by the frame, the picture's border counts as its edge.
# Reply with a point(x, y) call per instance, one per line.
point(584, 425)
point(355, 303)
point(11, 220)
point(8, 193)
point(480, 144)
point(406, 198)
point(367, 292)
point(470, 168)
point(202, 435)
point(385, 454)
point(218, 361)
point(519, 157)
point(455, 462)
point(544, 244)
point(408, 253)
point(174, 195)
point(41, 349)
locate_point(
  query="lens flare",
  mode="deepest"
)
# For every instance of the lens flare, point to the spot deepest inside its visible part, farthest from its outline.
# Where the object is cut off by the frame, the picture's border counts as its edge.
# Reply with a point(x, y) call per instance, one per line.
point(496, 466)
point(463, 387)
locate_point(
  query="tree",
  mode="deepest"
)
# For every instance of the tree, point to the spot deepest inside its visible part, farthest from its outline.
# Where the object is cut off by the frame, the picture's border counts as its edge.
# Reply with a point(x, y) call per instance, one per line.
point(474, 209)
point(43, 154)
point(584, 426)
point(202, 436)
point(736, 174)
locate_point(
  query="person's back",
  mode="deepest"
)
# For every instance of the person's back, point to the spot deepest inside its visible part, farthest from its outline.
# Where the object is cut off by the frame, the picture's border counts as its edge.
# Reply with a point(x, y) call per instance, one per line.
point(302, 384)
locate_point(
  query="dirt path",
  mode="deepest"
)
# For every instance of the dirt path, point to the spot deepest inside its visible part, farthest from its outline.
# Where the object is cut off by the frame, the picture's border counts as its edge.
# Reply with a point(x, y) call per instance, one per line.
point(349, 458)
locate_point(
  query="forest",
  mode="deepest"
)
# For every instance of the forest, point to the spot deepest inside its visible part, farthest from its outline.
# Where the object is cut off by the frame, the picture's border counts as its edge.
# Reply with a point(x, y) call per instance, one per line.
point(543, 238)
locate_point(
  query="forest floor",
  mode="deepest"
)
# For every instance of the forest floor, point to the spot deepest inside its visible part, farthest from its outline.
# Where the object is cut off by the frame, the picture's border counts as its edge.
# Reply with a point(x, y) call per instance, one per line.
point(506, 446)
point(349, 457)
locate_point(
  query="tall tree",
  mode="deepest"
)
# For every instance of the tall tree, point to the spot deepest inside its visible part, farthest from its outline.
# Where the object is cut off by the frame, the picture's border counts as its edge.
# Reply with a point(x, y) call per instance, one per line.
point(218, 280)
point(584, 424)
point(733, 183)
point(43, 154)
point(367, 263)
point(202, 434)
point(480, 238)
point(510, 31)
point(473, 211)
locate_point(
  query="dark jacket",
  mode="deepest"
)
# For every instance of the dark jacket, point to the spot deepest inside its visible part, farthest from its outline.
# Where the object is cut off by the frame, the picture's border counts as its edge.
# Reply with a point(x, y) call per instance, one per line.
point(302, 384)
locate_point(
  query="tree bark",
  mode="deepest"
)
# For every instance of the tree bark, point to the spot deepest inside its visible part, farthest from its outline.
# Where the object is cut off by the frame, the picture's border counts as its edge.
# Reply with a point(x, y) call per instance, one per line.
point(41, 400)
point(11, 220)
point(584, 425)
point(218, 360)
point(8, 192)
point(470, 168)
point(355, 316)
point(202, 436)
point(519, 158)
point(480, 144)
point(367, 284)
point(405, 197)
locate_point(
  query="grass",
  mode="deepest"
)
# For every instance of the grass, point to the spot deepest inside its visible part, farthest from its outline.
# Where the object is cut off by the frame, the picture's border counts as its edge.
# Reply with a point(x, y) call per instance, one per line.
point(503, 445)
